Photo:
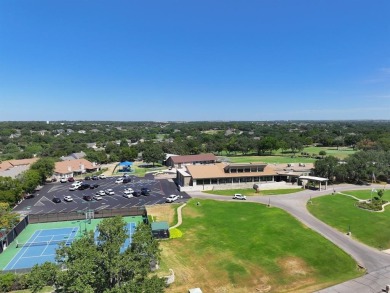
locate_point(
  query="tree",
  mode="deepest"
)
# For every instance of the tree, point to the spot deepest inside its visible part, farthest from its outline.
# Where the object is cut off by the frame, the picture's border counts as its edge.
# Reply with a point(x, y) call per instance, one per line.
point(8, 219)
point(41, 276)
point(326, 167)
point(322, 153)
point(45, 167)
point(153, 153)
point(10, 190)
point(99, 265)
point(30, 180)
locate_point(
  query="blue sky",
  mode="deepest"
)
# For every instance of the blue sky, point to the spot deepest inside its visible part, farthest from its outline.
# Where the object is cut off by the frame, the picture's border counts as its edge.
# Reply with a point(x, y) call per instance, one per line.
point(194, 60)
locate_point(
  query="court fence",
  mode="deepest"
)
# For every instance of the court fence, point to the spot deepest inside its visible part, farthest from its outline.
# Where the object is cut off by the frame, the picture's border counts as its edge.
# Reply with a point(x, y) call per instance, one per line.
point(80, 215)
point(6, 239)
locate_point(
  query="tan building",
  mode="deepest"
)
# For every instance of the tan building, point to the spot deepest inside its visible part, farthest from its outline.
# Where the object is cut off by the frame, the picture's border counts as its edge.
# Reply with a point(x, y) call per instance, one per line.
point(222, 176)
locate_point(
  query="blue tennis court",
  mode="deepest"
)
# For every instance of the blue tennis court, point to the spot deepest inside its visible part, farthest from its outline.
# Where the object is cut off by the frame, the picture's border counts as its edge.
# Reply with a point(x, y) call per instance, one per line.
point(41, 247)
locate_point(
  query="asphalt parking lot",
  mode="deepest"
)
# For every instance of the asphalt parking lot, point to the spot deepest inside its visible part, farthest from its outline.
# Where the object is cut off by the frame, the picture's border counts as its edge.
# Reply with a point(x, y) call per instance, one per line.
point(43, 200)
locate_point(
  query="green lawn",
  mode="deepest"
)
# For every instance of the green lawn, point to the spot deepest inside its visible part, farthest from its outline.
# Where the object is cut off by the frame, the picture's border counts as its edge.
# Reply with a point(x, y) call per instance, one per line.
point(340, 212)
point(251, 191)
point(248, 246)
point(270, 159)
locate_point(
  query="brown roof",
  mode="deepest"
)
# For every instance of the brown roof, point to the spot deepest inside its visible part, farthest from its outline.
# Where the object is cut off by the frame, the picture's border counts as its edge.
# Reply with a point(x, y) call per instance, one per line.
point(193, 158)
point(5, 165)
point(65, 167)
point(217, 171)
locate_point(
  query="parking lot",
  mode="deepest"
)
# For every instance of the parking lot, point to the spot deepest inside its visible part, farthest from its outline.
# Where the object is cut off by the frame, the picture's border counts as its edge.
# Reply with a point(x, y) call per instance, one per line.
point(43, 200)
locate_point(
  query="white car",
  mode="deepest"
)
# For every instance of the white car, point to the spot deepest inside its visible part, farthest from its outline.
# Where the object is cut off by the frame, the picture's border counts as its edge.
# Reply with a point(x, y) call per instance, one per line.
point(101, 193)
point(68, 198)
point(239, 196)
point(128, 195)
point(73, 187)
point(97, 197)
point(119, 180)
point(128, 191)
point(110, 191)
point(172, 198)
point(63, 180)
point(102, 176)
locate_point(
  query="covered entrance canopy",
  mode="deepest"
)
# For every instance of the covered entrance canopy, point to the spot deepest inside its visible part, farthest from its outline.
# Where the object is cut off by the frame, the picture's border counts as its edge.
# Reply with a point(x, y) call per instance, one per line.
point(315, 179)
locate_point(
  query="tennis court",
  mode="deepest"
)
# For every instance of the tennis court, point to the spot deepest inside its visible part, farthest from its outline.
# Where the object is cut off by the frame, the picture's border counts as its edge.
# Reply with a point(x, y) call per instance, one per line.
point(41, 247)
point(38, 242)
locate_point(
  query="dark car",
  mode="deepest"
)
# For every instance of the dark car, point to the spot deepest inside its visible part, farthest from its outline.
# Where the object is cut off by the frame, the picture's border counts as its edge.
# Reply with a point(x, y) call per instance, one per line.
point(29, 195)
point(70, 179)
point(136, 193)
point(56, 200)
point(94, 186)
point(95, 177)
point(84, 186)
point(126, 180)
point(87, 178)
point(145, 191)
point(362, 182)
point(88, 197)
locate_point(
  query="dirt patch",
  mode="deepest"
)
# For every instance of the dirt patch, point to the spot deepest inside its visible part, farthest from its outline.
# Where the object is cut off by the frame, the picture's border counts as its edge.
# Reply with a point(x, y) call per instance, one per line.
point(163, 212)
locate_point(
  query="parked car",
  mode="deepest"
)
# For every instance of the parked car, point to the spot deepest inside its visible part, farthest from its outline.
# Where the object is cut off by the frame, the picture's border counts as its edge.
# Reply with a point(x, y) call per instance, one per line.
point(63, 180)
point(74, 187)
point(128, 195)
point(56, 200)
point(97, 197)
point(102, 176)
point(101, 192)
point(70, 179)
point(239, 196)
point(76, 183)
point(95, 177)
point(145, 191)
point(87, 197)
point(126, 180)
point(87, 178)
point(68, 198)
point(172, 198)
point(128, 191)
point(119, 180)
point(84, 186)
point(110, 191)
point(136, 193)
point(94, 186)
point(29, 195)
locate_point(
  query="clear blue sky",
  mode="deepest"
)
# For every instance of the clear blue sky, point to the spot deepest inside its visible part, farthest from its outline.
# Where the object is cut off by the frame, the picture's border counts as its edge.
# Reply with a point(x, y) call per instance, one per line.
point(194, 60)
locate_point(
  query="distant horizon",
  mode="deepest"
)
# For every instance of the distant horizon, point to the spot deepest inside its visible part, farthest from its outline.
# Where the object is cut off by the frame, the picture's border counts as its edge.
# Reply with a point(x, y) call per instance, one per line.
point(194, 60)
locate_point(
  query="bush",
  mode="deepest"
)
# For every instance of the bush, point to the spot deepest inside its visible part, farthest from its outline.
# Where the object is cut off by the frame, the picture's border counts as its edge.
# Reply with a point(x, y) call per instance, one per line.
point(175, 233)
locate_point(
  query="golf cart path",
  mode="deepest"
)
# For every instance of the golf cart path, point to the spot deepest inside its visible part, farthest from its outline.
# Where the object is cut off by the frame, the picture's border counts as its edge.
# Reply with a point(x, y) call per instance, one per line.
point(377, 263)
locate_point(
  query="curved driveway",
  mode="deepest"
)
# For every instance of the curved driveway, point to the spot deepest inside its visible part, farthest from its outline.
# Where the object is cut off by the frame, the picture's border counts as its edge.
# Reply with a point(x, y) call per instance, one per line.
point(376, 263)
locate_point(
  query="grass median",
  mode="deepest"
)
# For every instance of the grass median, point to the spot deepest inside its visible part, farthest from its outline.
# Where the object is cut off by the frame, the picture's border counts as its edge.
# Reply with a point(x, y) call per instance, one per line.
point(248, 247)
point(251, 191)
point(340, 212)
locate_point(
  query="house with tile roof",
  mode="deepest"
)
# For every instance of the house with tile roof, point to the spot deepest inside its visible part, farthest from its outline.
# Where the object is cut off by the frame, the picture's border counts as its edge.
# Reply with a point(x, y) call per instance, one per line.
point(13, 168)
point(71, 168)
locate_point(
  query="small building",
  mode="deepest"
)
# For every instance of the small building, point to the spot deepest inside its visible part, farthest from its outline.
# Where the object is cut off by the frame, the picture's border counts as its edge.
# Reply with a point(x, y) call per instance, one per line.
point(181, 161)
point(160, 230)
point(71, 168)
point(13, 168)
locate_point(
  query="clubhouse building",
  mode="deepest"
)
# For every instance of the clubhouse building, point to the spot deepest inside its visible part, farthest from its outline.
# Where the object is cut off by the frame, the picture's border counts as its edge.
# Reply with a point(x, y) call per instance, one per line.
point(245, 175)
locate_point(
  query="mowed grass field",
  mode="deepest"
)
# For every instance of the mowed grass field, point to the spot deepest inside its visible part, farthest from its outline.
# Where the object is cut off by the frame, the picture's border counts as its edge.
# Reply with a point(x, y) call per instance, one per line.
point(247, 247)
point(340, 212)
point(251, 191)
point(283, 158)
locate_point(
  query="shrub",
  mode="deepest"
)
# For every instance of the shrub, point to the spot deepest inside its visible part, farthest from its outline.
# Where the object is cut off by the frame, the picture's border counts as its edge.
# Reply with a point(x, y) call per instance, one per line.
point(175, 233)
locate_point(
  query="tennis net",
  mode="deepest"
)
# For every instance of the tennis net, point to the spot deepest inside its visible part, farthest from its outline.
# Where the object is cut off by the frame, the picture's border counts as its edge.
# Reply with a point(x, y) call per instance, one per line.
point(43, 243)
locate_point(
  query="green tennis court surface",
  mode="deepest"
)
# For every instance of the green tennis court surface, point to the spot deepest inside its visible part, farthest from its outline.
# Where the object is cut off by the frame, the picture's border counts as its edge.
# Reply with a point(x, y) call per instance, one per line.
point(38, 242)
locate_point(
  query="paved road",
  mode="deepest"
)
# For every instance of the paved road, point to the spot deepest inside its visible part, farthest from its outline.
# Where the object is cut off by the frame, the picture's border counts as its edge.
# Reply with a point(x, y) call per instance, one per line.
point(377, 263)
